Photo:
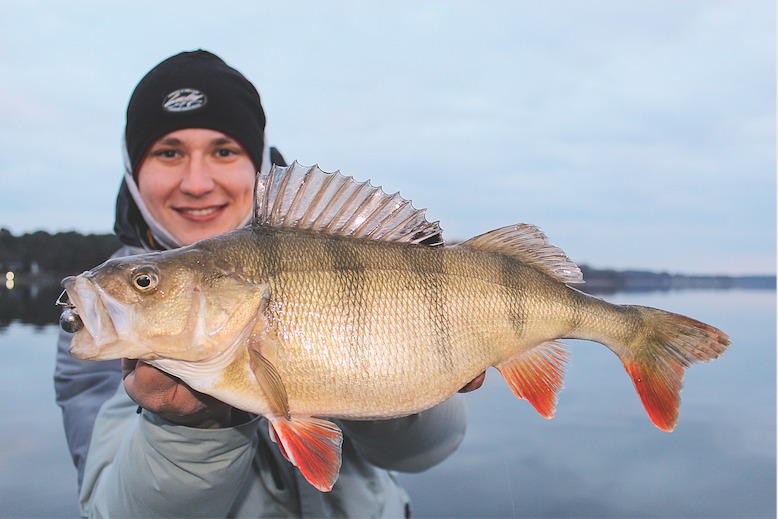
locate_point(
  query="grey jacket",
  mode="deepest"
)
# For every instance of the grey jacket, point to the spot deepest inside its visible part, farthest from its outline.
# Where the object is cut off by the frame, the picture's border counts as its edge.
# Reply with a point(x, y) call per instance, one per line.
point(139, 465)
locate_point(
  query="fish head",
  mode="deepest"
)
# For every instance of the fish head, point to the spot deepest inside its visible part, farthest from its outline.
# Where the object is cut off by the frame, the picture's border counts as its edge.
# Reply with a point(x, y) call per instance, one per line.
point(186, 304)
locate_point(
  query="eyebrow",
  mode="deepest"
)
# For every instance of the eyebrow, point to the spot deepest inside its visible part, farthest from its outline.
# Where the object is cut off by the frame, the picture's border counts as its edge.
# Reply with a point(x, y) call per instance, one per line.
point(174, 141)
point(169, 141)
point(220, 141)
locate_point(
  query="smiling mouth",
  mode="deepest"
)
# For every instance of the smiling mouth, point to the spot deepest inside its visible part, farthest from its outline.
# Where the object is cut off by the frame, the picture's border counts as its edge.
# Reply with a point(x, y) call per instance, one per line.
point(200, 212)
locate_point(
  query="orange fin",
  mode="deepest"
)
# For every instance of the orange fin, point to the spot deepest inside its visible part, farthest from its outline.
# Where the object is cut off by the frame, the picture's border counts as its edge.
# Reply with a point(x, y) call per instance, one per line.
point(659, 389)
point(656, 366)
point(313, 446)
point(538, 375)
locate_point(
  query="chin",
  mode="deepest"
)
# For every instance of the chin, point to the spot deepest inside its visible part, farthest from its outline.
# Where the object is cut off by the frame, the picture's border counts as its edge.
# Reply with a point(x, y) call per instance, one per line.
point(202, 232)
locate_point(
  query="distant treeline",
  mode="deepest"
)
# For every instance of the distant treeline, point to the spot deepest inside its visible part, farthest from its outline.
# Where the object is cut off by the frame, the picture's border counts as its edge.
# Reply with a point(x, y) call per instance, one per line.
point(40, 255)
point(63, 253)
point(40, 260)
point(609, 281)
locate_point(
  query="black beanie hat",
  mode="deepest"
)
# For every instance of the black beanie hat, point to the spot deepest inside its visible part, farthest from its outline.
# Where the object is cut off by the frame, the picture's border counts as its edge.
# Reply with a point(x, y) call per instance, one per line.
point(194, 90)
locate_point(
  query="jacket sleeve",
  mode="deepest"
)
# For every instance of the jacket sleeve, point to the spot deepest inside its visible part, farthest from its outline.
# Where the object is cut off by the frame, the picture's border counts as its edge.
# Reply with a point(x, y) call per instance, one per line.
point(413, 443)
point(144, 466)
point(81, 387)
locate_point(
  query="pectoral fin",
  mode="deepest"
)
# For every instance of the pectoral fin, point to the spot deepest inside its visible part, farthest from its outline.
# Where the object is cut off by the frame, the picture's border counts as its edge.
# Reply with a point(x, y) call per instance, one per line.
point(538, 375)
point(270, 381)
point(312, 445)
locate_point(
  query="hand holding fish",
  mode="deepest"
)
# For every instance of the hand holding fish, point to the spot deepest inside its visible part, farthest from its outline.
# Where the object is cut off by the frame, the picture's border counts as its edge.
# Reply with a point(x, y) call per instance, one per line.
point(169, 397)
point(172, 399)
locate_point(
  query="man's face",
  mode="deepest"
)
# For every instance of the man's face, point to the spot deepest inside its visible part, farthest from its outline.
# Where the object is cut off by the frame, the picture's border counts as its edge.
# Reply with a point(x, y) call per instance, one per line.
point(197, 183)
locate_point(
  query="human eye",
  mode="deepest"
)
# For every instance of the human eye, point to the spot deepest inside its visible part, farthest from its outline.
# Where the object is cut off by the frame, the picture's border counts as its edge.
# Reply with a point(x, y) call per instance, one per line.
point(224, 148)
point(226, 152)
point(166, 153)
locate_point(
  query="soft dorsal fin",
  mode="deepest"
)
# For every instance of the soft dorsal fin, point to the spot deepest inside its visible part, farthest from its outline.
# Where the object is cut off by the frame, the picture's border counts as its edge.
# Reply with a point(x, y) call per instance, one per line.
point(528, 244)
point(309, 198)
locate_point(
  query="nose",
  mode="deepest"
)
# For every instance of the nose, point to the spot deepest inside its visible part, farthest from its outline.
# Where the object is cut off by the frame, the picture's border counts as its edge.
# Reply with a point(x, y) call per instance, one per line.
point(197, 180)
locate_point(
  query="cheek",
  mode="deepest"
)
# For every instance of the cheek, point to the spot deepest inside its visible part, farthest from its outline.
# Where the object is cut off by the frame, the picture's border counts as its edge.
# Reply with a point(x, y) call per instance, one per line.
point(151, 186)
point(240, 184)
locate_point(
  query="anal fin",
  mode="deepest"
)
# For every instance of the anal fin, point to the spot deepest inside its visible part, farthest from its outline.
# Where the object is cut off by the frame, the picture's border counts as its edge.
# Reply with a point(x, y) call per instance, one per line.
point(312, 445)
point(538, 375)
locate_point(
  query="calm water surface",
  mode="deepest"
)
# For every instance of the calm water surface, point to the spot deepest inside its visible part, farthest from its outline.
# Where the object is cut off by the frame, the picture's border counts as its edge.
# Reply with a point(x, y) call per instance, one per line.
point(600, 457)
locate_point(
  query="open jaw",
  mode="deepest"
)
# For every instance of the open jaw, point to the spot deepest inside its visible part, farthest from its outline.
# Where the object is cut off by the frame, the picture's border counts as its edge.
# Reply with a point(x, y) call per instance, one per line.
point(105, 321)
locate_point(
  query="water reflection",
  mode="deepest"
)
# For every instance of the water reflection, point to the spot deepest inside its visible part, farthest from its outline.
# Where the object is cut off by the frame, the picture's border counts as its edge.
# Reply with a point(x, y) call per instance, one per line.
point(34, 302)
point(29, 303)
point(600, 456)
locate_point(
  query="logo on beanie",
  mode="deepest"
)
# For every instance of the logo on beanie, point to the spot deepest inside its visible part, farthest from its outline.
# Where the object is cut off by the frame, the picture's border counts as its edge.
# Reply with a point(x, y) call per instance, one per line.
point(184, 100)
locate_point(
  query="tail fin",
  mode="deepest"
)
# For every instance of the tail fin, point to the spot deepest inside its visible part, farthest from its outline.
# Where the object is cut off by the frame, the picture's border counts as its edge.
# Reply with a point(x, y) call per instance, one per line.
point(670, 344)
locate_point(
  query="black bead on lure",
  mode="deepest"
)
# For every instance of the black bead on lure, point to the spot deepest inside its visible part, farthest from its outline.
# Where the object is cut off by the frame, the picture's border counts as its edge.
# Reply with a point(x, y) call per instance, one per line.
point(69, 320)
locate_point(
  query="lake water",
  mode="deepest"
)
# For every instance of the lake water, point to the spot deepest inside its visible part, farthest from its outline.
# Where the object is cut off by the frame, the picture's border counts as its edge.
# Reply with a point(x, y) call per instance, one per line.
point(600, 457)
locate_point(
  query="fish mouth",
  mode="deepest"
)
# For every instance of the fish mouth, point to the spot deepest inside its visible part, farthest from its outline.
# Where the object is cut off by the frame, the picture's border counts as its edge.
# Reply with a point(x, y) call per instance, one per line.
point(103, 320)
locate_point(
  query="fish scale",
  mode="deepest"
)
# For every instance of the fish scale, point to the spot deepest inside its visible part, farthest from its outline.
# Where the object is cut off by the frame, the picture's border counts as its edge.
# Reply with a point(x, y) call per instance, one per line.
point(339, 301)
point(400, 323)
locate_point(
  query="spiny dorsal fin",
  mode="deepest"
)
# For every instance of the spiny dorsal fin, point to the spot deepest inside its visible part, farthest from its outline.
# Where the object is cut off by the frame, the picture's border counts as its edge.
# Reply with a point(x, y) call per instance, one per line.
point(528, 244)
point(309, 198)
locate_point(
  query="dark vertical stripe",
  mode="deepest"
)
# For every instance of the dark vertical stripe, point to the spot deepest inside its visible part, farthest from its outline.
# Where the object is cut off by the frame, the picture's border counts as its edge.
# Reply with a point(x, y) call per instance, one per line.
point(351, 290)
point(508, 272)
point(269, 254)
point(428, 267)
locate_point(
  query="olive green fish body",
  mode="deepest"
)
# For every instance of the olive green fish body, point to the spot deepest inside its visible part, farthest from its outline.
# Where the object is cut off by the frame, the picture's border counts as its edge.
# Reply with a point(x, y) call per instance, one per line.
point(366, 329)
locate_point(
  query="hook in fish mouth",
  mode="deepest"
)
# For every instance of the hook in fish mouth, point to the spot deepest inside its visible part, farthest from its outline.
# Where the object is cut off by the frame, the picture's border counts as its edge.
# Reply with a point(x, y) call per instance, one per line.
point(66, 302)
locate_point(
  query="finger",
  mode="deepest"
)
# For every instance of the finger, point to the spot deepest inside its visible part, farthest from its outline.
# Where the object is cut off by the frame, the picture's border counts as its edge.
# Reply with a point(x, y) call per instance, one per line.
point(128, 366)
point(171, 398)
point(154, 379)
point(149, 387)
point(163, 393)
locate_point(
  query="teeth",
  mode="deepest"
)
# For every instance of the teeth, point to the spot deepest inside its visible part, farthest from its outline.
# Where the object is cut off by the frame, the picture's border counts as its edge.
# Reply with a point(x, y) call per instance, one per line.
point(200, 212)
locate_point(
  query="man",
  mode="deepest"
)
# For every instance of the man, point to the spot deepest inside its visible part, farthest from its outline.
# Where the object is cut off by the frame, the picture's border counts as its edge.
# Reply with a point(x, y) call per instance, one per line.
point(195, 138)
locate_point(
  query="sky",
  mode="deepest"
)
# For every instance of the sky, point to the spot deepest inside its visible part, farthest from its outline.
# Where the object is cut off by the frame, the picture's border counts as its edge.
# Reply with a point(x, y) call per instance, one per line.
point(636, 135)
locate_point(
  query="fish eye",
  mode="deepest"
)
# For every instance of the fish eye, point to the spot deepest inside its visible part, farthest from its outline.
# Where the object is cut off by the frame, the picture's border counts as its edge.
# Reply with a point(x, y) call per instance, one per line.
point(145, 278)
